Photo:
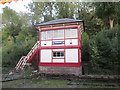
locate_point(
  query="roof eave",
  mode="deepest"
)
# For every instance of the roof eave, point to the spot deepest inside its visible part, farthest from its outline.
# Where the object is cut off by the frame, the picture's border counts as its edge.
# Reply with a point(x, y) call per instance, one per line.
point(57, 23)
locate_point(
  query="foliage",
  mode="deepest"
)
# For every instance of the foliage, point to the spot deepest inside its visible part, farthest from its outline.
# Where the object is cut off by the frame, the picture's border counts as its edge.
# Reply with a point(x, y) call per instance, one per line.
point(86, 47)
point(13, 52)
point(108, 12)
point(104, 57)
point(65, 9)
point(86, 12)
point(100, 47)
point(46, 11)
point(17, 37)
point(12, 24)
point(41, 11)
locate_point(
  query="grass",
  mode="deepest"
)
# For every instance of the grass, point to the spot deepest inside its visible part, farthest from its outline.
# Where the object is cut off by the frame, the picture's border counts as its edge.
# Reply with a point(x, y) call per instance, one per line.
point(43, 82)
point(56, 83)
point(27, 83)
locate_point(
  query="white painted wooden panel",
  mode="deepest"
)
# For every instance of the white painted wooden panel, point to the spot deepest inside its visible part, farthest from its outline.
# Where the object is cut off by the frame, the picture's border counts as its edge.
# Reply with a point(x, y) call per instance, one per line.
point(58, 49)
point(72, 55)
point(46, 55)
point(58, 60)
point(46, 43)
point(71, 42)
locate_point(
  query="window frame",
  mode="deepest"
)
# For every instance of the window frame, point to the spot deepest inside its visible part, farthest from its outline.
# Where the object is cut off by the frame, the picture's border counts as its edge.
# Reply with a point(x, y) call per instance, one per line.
point(58, 57)
point(60, 38)
point(71, 33)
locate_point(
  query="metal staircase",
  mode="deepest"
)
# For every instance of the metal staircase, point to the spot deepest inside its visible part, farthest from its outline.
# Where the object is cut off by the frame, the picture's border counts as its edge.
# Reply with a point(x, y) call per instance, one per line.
point(26, 59)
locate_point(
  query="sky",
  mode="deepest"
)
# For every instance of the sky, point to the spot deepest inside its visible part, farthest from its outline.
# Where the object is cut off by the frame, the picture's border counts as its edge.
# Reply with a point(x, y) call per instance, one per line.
point(18, 6)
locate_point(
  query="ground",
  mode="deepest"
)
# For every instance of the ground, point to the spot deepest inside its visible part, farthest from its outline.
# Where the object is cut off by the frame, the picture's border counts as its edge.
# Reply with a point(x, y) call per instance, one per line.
point(57, 83)
point(37, 81)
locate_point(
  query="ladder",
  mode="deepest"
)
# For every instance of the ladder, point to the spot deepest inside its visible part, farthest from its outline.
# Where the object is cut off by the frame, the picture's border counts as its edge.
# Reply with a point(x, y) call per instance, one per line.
point(25, 59)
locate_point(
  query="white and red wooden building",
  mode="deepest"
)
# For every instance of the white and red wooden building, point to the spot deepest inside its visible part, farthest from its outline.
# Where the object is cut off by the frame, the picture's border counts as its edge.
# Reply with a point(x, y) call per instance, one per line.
point(59, 47)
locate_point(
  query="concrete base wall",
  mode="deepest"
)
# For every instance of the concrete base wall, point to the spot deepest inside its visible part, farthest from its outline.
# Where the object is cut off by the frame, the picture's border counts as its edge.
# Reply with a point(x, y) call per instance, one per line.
point(61, 70)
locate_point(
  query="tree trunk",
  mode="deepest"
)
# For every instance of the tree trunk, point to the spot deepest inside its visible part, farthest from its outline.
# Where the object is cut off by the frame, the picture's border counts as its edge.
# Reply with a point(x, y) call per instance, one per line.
point(111, 21)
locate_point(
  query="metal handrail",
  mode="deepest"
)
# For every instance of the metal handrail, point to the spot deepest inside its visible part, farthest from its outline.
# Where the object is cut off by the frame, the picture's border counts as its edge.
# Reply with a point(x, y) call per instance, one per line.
point(23, 60)
point(20, 61)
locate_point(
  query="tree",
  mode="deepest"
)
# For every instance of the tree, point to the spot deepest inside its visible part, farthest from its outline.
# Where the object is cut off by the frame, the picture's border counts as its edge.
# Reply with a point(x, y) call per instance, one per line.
point(65, 9)
point(105, 52)
point(86, 48)
point(12, 23)
point(41, 11)
point(86, 12)
point(107, 11)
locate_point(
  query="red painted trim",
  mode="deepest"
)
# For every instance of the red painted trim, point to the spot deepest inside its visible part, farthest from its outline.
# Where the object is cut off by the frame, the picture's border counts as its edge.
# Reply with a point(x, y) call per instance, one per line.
point(59, 39)
point(60, 64)
point(52, 49)
point(32, 55)
point(64, 36)
point(40, 35)
point(65, 45)
point(37, 58)
point(80, 55)
point(59, 47)
point(64, 64)
point(59, 28)
point(40, 46)
point(64, 55)
point(79, 44)
point(79, 37)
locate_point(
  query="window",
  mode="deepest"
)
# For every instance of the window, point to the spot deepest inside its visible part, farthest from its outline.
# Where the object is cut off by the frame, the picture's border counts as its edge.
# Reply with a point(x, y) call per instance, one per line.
point(71, 33)
point(52, 34)
point(58, 33)
point(49, 34)
point(58, 54)
point(44, 35)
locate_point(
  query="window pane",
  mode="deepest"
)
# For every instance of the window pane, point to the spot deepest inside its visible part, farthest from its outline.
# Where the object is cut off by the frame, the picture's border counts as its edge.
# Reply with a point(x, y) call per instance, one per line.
point(62, 54)
point(71, 33)
point(58, 54)
point(49, 34)
point(44, 35)
point(58, 33)
point(55, 35)
point(54, 54)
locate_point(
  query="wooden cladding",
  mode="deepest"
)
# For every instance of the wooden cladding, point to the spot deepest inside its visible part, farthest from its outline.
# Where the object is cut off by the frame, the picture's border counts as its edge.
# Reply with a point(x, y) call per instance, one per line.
point(61, 25)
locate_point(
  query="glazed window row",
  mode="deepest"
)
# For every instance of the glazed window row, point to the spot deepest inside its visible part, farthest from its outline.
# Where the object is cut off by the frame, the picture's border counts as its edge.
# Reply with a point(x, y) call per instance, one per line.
point(59, 34)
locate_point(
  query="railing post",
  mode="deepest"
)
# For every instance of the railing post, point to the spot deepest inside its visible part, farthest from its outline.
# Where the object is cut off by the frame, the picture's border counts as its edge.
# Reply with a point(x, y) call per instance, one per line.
point(23, 60)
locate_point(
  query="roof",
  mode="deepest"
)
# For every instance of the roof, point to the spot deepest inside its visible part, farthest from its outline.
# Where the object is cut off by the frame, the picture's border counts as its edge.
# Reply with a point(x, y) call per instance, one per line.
point(59, 21)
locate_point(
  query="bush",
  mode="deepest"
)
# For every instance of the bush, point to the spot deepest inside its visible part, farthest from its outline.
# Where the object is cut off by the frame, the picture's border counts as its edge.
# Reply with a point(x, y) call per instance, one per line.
point(105, 52)
point(12, 52)
point(86, 47)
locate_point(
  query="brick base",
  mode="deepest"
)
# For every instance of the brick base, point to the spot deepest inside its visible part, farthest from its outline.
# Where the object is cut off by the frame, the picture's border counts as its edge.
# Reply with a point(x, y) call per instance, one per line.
point(61, 70)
